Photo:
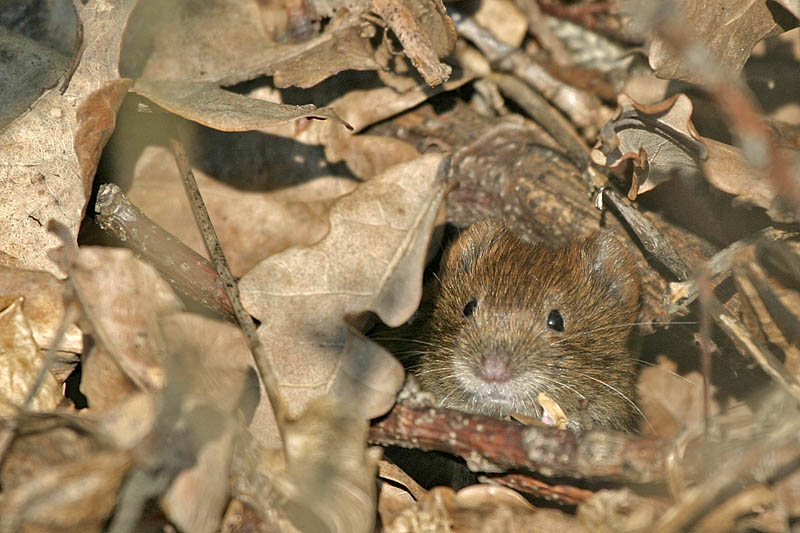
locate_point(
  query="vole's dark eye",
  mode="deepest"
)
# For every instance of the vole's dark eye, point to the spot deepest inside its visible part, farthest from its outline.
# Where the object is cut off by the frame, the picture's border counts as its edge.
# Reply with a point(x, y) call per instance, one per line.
point(470, 307)
point(554, 321)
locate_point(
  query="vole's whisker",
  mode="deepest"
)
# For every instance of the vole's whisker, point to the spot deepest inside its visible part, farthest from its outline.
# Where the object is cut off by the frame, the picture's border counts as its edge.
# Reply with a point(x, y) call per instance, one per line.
point(621, 395)
point(562, 384)
point(403, 339)
point(584, 332)
point(648, 363)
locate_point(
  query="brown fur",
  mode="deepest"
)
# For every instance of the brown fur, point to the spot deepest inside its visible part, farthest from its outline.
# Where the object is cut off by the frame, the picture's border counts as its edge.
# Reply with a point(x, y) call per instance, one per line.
point(587, 368)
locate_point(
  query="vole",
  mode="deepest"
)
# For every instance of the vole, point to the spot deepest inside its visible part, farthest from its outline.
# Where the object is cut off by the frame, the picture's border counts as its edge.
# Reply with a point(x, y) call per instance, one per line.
point(509, 319)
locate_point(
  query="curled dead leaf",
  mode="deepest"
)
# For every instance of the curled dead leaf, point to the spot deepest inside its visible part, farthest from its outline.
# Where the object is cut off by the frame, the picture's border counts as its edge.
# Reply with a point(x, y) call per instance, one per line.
point(372, 259)
point(208, 104)
point(726, 30)
point(553, 414)
point(78, 495)
point(43, 306)
point(662, 143)
point(123, 301)
point(20, 364)
point(291, 210)
point(52, 180)
point(659, 138)
point(226, 44)
point(480, 508)
point(728, 170)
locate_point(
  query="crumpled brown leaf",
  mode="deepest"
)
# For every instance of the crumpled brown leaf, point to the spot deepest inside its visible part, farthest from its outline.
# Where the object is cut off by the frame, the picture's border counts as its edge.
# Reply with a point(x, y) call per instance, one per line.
point(287, 209)
point(232, 43)
point(504, 19)
point(49, 158)
point(770, 306)
point(123, 301)
point(215, 388)
point(659, 138)
point(207, 104)
point(670, 402)
point(728, 30)
point(619, 510)
point(43, 306)
point(29, 68)
point(367, 155)
point(662, 143)
point(20, 363)
point(372, 259)
point(74, 496)
point(728, 170)
point(329, 485)
point(480, 508)
point(227, 44)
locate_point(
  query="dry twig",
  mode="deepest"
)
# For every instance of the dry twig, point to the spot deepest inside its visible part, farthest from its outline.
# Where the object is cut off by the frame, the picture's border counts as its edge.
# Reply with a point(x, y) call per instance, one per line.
point(186, 270)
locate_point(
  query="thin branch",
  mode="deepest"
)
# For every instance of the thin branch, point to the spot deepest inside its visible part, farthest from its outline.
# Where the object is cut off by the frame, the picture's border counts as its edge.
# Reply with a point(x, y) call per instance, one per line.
point(579, 106)
point(537, 25)
point(543, 114)
point(492, 445)
point(650, 236)
point(186, 270)
point(682, 293)
point(560, 494)
point(231, 288)
point(724, 483)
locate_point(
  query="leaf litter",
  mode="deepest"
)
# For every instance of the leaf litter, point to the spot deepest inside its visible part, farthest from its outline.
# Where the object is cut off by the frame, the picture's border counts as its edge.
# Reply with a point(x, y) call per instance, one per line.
point(320, 134)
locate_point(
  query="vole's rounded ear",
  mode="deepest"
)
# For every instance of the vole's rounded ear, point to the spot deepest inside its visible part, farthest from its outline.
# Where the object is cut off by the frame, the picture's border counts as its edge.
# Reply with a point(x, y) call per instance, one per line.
point(612, 265)
point(470, 244)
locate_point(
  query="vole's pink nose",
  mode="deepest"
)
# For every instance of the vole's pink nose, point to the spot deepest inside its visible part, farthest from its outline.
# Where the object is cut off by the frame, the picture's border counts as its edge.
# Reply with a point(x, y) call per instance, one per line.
point(495, 368)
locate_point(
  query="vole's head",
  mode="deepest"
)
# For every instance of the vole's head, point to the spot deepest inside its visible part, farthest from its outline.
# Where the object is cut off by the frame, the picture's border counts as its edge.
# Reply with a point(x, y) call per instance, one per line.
point(513, 319)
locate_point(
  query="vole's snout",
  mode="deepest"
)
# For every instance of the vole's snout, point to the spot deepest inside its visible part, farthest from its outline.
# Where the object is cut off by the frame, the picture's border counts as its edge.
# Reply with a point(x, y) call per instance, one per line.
point(495, 368)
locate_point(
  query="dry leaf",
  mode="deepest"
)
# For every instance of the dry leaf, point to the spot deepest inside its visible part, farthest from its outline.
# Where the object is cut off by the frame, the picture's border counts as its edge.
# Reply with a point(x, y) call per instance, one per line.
point(48, 152)
point(30, 67)
point(662, 143)
point(670, 402)
point(210, 377)
point(727, 169)
point(769, 309)
point(40, 444)
point(43, 306)
point(727, 29)
point(398, 494)
point(123, 301)
point(553, 414)
point(129, 422)
point(330, 478)
point(367, 155)
point(75, 496)
point(292, 209)
point(185, 460)
point(209, 105)
point(372, 259)
point(20, 364)
point(504, 19)
point(609, 511)
point(362, 108)
point(227, 44)
point(793, 6)
point(480, 508)
point(659, 138)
